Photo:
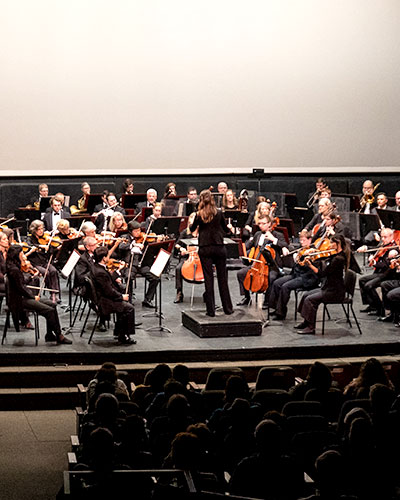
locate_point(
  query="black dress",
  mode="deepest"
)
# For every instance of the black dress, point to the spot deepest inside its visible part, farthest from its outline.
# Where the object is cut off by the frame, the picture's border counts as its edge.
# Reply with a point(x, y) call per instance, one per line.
point(212, 251)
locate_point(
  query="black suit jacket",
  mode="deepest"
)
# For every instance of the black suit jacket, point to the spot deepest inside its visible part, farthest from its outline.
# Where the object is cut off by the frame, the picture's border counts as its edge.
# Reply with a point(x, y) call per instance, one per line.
point(48, 218)
point(99, 222)
point(213, 232)
point(109, 295)
point(281, 243)
point(17, 288)
point(83, 268)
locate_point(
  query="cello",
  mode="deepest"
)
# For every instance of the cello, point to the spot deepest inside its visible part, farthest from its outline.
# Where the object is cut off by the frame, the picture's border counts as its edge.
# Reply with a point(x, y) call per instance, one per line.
point(191, 268)
point(256, 279)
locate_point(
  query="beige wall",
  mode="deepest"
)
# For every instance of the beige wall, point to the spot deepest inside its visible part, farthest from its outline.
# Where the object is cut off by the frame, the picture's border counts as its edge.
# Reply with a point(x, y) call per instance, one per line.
point(178, 86)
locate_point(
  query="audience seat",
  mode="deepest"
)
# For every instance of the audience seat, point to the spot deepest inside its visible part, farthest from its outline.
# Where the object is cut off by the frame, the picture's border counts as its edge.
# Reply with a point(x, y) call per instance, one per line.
point(275, 377)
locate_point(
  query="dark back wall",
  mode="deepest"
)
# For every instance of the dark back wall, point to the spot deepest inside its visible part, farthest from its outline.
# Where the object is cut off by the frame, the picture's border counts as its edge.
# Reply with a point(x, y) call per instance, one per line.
point(17, 192)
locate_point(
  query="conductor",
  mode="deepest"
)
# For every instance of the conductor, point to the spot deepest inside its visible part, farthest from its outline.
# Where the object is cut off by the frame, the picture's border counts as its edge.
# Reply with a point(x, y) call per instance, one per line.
point(212, 229)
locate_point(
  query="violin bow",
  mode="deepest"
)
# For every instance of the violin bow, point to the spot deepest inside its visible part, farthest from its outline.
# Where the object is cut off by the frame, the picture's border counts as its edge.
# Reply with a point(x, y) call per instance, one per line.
point(41, 288)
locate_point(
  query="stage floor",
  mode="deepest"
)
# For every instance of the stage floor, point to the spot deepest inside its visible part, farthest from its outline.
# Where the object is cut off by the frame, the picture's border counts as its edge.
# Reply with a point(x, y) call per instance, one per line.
point(278, 339)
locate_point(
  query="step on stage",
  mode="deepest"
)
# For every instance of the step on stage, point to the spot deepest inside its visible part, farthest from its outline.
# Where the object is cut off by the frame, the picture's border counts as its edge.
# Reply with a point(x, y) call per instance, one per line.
point(238, 324)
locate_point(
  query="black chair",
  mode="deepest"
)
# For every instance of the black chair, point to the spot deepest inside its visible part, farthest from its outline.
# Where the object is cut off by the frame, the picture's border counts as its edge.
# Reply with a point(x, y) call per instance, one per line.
point(293, 408)
point(349, 286)
point(271, 399)
point(275, 377)
point(14, 315)
point(92, 300)
point(347, 406)
point(217, 377)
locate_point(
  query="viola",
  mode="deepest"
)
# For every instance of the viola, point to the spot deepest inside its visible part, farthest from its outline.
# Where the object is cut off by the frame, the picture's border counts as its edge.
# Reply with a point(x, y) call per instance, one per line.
point(191, 268)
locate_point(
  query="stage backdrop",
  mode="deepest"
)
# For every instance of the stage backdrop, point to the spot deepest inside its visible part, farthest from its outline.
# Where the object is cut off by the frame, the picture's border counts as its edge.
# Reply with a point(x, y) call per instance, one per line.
point(90, 87)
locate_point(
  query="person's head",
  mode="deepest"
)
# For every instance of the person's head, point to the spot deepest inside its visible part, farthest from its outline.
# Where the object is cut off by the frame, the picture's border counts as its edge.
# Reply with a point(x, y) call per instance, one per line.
point(236, 387)
point(229, 195)
point(157, 209)
point(222, 187)
point(368, 187)
point(4, 241)
point(207, 208)
point(112, 200)
point(260, 199)
point(386, 235)
point(56, 204)
point(37, 228)
point(331, 218)
point(128, 186)
point(319, 376)
point(324, 205)
point(63, 226)
point(192, 193)
point(263, 208)
point(381, 397)
point(177, 407)
point(14, 256)
point(305, 238)
point(397, 198)
point(88, 229)
point(325, 193)
point(117, 221)
point(330, 471)
point(320, 183)
point(43, 190)
point(338, 243)
point(372, 372)
point(151, 195)
point(90, 244)
point(134, 228)
point(186, 451)
point(170, 190)
point(100, 450)
point(85, 188)
point(264, 223)
point(381, 200)
point(181, 374)
point(101, 255)
point(268, 436)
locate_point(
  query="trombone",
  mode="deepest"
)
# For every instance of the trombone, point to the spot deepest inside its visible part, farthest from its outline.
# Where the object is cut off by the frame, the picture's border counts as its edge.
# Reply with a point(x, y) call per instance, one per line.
point(314, 197)
point(368, 198)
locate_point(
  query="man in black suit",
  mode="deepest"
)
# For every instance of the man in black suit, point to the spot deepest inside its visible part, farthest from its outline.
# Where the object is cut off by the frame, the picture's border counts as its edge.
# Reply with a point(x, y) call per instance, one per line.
point(151, 195)
point(396, 208)
point(111, 300)
point(56, 213)
point(264, 239)
point(105, 215)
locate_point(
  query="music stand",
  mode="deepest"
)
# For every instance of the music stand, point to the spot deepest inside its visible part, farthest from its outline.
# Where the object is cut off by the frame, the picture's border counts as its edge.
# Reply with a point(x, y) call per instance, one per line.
point(238, 219)
point(131, 200)
point(157, 268)
point(146, 212)
point(218, 199)
point(44, 203)
point(91, 201)
point(166, 225)
point(190, 208)
point(149, 256)
point(389, 218)
point(65, 250)
point(75, 221)
point(170, 206)
point(66, 272)
point(368, 223)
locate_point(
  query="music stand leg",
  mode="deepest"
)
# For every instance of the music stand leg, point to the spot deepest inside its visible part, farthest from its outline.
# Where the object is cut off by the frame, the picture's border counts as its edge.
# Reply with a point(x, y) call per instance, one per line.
point(160, 327)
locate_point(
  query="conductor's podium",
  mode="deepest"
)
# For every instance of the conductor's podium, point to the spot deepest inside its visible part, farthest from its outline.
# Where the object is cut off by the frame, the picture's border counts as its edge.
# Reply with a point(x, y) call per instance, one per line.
point(239, 324)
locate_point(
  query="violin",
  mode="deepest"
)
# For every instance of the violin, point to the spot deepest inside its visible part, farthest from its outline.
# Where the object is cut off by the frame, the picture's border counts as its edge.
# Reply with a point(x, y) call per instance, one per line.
point(26, 267)
point(140, 238)
point(48, 240)
point(191, 268)
point(311, 256)
point(275, 220)
point(115, 265)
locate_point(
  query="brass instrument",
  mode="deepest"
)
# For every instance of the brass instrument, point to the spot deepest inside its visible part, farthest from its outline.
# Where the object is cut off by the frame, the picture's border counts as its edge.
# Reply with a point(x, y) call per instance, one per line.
point(79, 207)
point(368, 198)
point(243, 200)
point(315, 196)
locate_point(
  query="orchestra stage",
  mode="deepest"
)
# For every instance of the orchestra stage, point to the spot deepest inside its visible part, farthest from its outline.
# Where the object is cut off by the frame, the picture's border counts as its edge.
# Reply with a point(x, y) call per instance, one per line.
point(175, 343)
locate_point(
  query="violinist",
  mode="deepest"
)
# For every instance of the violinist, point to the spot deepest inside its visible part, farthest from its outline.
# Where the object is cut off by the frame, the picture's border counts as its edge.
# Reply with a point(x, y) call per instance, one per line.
point(133, 249)
point(331, 226)
point(118, 224)
point(4, 246)
point(65, 232)
point(380, 261)
point(157, 210)
point(40, 259)
point(391, 291)
point(111, 300)
point(330, 270)
point(212, 229)
point(264, 239)
point(183, 254)
point(300, 277)
point(21, 298)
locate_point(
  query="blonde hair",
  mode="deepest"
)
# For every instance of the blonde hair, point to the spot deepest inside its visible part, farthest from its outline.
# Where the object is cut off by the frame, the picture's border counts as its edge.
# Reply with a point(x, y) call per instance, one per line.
point(112, 221)
point(259, 212)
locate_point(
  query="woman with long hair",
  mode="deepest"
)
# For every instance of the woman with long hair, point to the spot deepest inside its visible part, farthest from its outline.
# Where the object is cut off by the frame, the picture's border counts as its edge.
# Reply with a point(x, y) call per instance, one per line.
point(229, 201)
point(331, 271)
point(20, 298)
point(212, 229)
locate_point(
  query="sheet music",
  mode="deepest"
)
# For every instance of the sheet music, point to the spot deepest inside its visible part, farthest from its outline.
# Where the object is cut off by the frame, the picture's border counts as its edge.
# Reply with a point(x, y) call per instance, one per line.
point(71, 263)
point(160, 262)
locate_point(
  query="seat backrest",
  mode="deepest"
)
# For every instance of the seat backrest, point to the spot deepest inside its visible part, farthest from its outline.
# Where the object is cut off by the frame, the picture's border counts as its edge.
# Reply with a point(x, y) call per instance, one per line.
point(275, 377)
point(217, 377)
point(271, 399)
point(91, 292)
point(306, 423)
point(350, 282)
point(293, 408)
point(348, 406)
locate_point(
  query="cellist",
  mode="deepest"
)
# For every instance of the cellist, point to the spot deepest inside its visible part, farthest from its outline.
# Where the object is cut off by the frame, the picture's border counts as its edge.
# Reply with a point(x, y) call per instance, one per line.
point(182, 254)
point(263, 239)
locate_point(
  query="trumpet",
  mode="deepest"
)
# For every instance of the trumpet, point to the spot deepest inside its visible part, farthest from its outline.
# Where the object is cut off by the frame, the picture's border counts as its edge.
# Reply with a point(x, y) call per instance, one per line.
point(368, 198)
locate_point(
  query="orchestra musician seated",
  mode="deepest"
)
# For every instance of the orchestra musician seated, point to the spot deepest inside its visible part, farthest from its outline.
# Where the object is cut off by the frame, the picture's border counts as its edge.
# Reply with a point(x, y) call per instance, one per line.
point(301, 277)
point(43, 192)
point(151, 199)
point(191, 200)
point(396, 207)
point(22, 299)
point(263, 208)
point(170, 190)
point(314, 197)
point(79, 207)
point(118, 224)
point(264, 239)
point(380, 261)
point(330, 270)
point(182, 255)
point(40, 259)
point(133, 249)
point(222, 187)
point(367, 200)
point(331, 225)
point(104, 215)
point(381, 203)
point(157, 210)
point(229, 201)
point(56, 213)
point(324, 206)
point(111, 300)
point(101, 206)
